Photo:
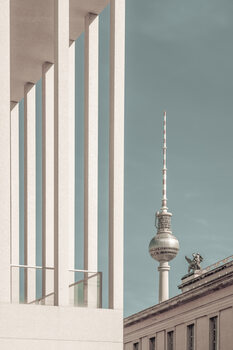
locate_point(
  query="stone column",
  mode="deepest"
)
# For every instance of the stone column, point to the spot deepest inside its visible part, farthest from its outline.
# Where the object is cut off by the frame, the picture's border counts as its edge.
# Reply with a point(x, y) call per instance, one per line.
point(14, 201)
point(47, 177)
point(72, 155)
point(62, 225)
point(116, 153)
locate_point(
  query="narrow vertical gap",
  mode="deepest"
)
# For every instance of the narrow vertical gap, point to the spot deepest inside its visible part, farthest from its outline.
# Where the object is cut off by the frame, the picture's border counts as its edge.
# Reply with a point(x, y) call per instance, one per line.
point(43, 238)
point(21, 199)
point(25, 197)
point(79, 155)
point(103, 166)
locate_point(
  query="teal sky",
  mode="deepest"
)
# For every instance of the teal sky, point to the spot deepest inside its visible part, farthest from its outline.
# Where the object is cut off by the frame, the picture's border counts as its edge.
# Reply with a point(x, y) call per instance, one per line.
point(179, 57)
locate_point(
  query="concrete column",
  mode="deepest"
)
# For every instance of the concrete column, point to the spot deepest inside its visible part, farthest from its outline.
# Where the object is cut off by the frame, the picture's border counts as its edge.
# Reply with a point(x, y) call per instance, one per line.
point(62, 225)
point(163, 281)
point(202, 325)
point(160, 340)
point(5, 153)
point(30, 190)
point(47, 177)
point(15, 201)
point(225, 328)
point(116, 153)
point(91, 155)
point(144, 343)
point(180, 336)
point(72, 167)
point(72, 153)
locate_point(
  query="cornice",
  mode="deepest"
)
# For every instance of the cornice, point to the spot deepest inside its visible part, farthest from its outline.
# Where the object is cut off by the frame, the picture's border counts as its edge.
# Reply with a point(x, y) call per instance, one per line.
point(200, 291)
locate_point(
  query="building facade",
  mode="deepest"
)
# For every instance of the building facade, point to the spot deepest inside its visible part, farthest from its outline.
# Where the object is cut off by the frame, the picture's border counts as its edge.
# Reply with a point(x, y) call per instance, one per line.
point(200, 318)
point(38, 42)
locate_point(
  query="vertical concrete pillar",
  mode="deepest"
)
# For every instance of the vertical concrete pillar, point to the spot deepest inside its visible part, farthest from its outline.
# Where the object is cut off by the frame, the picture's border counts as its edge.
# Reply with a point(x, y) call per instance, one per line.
point(91, 155)
point(225, 328)
point(47, 177)
point(61, 151)
point(202, 325)
point(30, 190)
point(72, 154)
point(116, 153)
point(72, 167)
point(5, 154)
point(144, 343)
point(160, 340)
point(15, 201)
point(180, 336)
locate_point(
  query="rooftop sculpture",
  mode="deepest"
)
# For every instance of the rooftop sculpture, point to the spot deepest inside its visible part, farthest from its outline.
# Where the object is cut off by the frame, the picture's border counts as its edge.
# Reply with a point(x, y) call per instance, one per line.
point(194, 264)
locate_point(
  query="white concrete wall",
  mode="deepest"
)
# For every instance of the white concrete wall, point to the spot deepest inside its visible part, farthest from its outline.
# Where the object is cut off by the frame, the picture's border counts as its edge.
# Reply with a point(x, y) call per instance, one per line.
point(47, 327)
point(5, 151)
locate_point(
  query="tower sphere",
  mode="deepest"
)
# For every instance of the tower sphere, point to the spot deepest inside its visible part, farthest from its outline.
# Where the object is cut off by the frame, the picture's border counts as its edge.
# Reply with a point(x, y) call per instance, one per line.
point(164, 247)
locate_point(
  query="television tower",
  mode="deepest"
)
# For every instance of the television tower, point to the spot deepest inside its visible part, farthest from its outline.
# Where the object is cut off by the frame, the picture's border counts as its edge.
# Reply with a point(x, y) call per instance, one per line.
point(164, 246)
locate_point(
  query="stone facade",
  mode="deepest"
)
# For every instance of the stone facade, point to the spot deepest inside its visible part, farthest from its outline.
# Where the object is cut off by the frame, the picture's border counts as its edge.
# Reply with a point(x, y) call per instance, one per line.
point(200, 318)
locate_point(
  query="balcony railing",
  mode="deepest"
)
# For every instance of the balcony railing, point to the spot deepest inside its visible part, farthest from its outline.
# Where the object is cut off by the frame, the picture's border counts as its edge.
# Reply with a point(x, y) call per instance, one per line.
point(85, 288)
point(35, 285)
point(31, 284)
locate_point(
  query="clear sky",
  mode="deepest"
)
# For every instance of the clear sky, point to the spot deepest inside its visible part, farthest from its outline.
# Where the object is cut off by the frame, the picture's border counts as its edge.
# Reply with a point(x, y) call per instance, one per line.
point(179, 57)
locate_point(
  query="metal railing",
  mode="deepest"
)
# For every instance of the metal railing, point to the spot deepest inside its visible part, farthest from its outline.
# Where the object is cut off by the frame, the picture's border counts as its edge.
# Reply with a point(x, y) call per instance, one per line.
point(84, 290)
point(46, 300)
point(24, 285)
point(87, 291)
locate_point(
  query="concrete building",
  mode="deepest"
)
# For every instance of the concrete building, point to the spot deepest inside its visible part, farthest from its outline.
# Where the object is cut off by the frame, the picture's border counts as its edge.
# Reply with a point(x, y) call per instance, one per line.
point(200, 318)
point(37, 40)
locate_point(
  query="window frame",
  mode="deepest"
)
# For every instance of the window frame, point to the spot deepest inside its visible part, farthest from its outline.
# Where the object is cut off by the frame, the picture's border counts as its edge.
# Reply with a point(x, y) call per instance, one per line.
point(170, 331)
point(188, 326)
point(149, 341)
point(216, 316)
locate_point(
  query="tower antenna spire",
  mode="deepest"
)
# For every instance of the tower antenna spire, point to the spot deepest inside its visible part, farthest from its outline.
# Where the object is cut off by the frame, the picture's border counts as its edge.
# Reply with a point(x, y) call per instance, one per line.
point(164, 197)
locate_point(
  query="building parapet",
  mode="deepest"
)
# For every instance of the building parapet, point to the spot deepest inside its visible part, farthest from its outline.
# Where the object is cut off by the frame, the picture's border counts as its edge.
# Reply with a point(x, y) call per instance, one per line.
point(222, 277)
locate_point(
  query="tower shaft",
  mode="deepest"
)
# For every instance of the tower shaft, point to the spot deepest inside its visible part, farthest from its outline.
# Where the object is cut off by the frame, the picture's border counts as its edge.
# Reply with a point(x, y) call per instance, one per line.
point(163, 281)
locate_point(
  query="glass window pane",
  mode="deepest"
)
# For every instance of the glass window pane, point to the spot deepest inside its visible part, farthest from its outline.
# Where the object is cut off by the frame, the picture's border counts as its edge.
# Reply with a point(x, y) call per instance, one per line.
point(152, 343)
point(213, 333)
point(170, 340)
point(190, 337)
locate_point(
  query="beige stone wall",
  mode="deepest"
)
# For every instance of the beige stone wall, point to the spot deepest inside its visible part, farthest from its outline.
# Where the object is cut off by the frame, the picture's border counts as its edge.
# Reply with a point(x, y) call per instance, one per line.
point(226, 329)
point(199, 311)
